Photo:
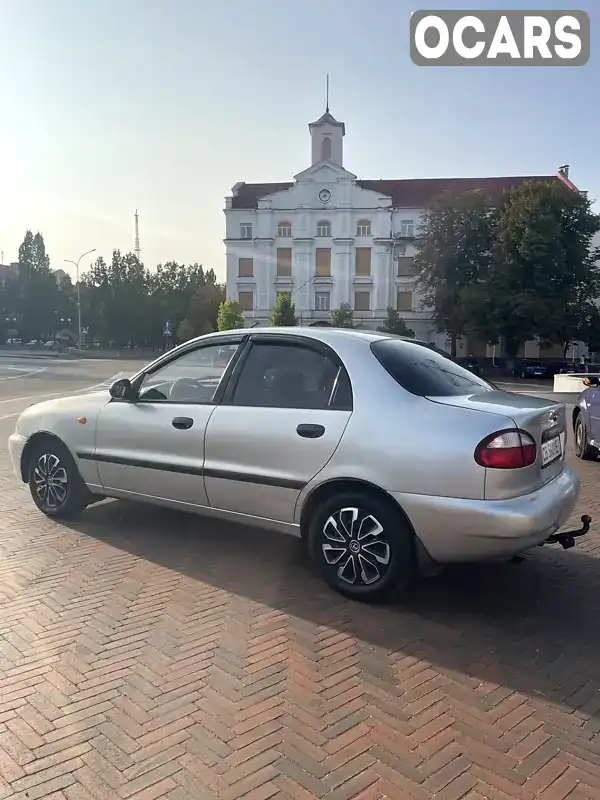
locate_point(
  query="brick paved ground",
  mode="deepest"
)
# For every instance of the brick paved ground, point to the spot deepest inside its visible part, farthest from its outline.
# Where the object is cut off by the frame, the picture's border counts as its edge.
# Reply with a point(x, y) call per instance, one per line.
point(148, 654)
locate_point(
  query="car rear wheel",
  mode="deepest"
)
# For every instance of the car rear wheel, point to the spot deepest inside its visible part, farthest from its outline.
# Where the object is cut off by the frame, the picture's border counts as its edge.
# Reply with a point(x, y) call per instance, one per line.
point(583, 450)
point(362, 546)
point(55, 484)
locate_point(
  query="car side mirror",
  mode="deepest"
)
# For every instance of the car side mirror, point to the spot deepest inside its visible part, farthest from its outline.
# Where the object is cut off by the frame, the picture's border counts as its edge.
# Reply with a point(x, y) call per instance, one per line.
point(121, 389)
point(591, 381)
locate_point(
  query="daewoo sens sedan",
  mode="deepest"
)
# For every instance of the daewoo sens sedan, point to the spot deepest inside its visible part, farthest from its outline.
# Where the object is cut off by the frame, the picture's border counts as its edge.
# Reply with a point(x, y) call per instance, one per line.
point(387, 457)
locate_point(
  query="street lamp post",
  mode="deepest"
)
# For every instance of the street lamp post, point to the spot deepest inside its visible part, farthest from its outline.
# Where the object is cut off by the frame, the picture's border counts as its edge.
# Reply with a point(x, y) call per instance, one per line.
point(76, 263)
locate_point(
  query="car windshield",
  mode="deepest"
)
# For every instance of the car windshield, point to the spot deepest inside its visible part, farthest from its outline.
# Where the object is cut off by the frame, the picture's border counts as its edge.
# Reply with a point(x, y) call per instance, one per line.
point(424, 370)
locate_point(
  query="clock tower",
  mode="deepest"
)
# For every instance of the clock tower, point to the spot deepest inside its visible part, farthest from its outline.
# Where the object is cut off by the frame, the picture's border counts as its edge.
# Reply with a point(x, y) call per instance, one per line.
point(327, 140)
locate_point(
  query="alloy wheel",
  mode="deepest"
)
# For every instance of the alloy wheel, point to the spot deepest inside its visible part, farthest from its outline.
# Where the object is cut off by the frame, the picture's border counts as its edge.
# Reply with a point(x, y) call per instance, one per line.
point(355, 546)
point(51, 481)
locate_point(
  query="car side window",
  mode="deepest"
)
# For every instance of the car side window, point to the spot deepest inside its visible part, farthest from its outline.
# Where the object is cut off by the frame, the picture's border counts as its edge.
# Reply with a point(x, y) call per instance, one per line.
point(194, 377)
point(281, 375)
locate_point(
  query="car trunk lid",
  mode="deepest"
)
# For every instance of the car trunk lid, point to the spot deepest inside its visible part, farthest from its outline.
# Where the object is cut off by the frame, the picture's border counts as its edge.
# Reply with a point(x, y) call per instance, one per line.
point(544, 420)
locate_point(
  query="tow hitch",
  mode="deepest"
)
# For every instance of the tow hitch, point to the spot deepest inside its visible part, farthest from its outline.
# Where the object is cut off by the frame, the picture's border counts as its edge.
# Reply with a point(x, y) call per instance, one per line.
point(567, 538)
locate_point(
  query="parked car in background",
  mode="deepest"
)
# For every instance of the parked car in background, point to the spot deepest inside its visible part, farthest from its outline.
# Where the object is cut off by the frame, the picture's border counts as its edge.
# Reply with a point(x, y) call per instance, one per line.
point(383, 454)
point(576, 367)
point(586, 420)
point(535, 369)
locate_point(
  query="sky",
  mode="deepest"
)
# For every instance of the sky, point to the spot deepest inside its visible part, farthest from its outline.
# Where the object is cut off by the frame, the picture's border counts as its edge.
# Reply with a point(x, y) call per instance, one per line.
point(108, 106)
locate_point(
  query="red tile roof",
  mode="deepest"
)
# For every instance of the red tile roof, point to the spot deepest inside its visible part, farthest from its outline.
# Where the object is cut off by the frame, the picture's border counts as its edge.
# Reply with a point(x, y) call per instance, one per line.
point(410, 193)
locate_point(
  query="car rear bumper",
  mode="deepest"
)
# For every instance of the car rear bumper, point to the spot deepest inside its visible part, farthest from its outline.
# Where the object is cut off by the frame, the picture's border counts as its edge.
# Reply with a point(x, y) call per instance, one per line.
point(16, 444)
point(454, 529)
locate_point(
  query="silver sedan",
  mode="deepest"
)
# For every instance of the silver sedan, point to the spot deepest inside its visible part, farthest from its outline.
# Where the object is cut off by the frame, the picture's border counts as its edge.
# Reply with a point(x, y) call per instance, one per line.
point(383, 454)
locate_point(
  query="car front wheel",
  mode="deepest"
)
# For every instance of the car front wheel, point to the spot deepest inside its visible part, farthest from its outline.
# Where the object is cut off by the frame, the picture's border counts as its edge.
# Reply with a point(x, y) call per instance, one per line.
point(583, 450)
point(362, 546)
point(55, 484)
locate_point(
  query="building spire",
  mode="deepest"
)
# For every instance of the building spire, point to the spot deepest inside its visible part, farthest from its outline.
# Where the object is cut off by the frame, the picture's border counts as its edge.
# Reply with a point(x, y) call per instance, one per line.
point(327, 96)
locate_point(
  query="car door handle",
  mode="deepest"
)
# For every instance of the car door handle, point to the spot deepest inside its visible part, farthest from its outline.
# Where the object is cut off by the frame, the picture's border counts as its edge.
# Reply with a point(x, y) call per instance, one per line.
point(182, 423)
point(310, 431)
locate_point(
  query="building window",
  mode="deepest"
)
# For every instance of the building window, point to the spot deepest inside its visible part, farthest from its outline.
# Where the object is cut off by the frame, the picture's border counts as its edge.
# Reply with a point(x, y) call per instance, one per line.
point(405, 266)
point(246, 230)
point(246, 301)
point(363, 227)
point(363, 261)
point(326, 149)
point(407, 227)
point(246, 267)
point(284, 230)
point(322, 301)
point(323, 262)
point(362, 301)
point(323, 228)
point(404, 301)
point(284, 262)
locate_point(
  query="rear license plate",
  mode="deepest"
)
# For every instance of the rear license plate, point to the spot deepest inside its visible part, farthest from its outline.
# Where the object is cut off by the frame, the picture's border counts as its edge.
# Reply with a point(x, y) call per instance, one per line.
point(551, 450)
point(538, 373)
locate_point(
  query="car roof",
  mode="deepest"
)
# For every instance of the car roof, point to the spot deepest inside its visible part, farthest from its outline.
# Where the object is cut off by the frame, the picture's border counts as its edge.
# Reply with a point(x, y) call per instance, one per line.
point(329, 335)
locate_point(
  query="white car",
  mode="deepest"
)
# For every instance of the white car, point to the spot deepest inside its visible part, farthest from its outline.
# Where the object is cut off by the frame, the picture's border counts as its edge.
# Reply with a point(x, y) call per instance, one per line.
point(383, 453)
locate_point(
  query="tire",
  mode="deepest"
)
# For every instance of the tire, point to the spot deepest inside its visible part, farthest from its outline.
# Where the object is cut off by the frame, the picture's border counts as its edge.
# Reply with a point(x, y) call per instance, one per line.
point(583, 450)
point(67, 495)
point(386, 556)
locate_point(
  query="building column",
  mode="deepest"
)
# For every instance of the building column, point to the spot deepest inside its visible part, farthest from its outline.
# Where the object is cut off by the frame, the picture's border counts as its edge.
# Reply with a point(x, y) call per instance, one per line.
point(265, 270)
point(381, 281)
point(341, 269)
point(302, 270)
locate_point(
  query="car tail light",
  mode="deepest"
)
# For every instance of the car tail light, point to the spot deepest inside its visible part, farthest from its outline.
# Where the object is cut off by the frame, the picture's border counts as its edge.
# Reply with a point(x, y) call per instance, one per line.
point(509, 449)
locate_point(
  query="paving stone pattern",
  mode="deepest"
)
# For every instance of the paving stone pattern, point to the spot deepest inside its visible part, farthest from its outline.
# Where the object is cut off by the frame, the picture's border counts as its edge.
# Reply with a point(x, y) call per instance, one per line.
point(147, 654)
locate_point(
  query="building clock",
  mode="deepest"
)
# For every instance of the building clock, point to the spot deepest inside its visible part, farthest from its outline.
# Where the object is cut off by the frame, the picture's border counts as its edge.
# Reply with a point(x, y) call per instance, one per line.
point(324, 195)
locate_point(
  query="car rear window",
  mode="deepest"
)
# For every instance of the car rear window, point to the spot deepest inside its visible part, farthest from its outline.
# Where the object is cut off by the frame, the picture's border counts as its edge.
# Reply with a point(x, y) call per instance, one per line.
point(424, 370)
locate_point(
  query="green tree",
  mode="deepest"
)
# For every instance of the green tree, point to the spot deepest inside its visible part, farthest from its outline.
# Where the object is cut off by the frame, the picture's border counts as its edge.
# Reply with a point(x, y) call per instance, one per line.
point(185, 330)
point(36, 299)
point(454, 251)
point(230, 316)
point(395, 324)
point(283, 312)
point(589, 327)
point(544, 270)
point(342, 317)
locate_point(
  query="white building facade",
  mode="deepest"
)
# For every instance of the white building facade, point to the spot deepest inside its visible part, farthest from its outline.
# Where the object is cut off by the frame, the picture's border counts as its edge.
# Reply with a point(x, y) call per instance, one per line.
point(328, 238)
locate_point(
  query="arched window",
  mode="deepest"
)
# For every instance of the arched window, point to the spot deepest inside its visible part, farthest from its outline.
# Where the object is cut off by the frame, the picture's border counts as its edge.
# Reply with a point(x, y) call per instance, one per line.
point(284, 229)
point(323, 228)
point(326, 149)
point(363, 227)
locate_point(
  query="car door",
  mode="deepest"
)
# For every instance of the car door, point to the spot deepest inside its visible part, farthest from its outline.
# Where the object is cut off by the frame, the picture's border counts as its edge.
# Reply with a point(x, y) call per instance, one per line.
point(153, 446)
point(281, 419)
point(592, 399)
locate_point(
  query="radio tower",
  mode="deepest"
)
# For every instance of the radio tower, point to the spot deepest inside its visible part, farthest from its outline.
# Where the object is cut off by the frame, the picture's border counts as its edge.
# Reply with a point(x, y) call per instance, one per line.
point(136, 243)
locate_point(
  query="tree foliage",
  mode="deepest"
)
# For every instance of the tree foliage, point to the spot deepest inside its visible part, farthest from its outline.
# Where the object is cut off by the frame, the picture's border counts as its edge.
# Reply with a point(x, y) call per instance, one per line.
point(455, 244)
point(543, 271)
point(517, 268)
point(395, 324)
point(122, 302)
point(230, 316)
point(283, 312)
point(342, 317)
